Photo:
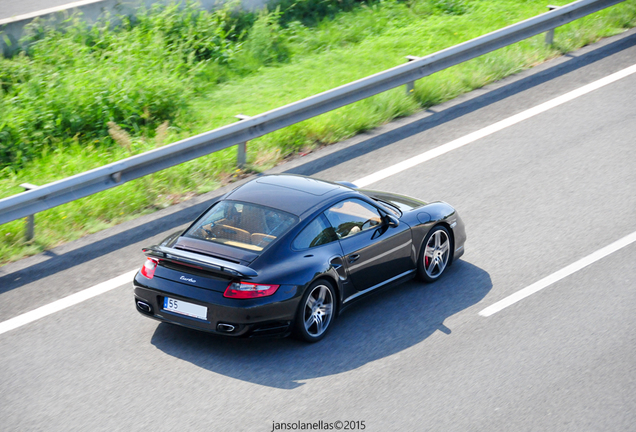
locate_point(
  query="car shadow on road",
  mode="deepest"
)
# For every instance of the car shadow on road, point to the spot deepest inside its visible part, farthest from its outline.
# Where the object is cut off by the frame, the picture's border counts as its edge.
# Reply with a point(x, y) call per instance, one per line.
point(378, 326)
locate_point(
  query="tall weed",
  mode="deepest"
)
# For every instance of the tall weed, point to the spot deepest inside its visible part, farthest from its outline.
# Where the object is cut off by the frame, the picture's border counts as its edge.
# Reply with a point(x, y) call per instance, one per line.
point(172, 73)
point(265, 43)
point(73, 81)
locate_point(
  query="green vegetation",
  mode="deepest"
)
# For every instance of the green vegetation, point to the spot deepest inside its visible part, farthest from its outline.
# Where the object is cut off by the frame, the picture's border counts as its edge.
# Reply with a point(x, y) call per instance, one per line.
point(82, 97)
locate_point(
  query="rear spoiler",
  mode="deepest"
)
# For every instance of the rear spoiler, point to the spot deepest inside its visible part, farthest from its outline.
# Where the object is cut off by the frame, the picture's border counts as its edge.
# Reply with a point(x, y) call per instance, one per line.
point(203, 261)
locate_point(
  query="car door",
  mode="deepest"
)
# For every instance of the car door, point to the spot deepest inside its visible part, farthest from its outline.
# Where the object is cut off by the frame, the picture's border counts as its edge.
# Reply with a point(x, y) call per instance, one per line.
point(374, 251)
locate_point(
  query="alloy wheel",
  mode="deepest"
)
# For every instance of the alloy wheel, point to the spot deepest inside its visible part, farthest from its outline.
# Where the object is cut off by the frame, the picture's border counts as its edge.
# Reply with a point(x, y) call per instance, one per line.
point(318, 310)
point(436, 254)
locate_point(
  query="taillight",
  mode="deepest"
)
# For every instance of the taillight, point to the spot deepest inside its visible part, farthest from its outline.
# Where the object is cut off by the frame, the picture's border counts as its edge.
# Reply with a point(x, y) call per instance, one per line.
point(246, 290)
point(149, 267)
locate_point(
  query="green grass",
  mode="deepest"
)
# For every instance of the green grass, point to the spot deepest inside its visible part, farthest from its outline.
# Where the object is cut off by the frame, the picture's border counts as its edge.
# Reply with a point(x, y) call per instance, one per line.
point(196, 72)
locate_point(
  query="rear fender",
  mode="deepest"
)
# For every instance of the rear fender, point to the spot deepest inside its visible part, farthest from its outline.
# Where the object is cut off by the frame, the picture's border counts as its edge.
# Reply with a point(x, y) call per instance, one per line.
point(424, 218)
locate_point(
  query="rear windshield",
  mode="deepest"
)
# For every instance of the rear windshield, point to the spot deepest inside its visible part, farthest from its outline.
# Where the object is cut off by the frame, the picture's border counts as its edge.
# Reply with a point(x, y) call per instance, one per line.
point(243, 225)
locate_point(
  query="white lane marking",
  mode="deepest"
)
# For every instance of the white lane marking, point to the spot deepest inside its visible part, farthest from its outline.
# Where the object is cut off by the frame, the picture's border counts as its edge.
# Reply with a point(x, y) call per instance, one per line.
point(47, 11)
point(489, 130)
point(65, 302)
point(557, 276)
point(382, 174)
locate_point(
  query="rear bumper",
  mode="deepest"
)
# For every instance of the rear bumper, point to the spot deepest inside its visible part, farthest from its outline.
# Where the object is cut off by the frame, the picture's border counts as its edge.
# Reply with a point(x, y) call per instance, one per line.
point(267, 316)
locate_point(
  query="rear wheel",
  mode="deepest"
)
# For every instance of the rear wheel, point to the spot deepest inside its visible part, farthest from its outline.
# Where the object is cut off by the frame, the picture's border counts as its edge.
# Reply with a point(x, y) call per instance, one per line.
point(435, 254)
point(316, 311)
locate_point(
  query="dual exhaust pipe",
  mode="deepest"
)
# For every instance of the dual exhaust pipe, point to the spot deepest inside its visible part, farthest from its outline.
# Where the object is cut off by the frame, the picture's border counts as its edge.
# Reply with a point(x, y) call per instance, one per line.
point(225, 328)
point(144, 307)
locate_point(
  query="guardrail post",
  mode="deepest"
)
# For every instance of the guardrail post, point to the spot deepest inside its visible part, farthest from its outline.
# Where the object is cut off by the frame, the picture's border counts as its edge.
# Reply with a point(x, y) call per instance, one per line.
point(241, 156)
point(100, 179)
point(549, 35)
point(29, 227)
point(410, 86)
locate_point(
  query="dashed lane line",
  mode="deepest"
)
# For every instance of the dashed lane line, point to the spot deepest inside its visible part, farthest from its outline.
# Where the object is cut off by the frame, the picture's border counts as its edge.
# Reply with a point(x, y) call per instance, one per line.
point(103, 287)
point(557, 276)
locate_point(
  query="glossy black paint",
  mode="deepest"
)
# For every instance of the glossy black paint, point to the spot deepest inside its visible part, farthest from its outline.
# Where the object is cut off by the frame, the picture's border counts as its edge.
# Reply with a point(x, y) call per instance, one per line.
point(379, 257)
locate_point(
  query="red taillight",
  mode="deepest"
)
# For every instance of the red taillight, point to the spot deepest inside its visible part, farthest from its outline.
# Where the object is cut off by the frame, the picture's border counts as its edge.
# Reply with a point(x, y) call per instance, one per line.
point(246, 290)
point(149, 267)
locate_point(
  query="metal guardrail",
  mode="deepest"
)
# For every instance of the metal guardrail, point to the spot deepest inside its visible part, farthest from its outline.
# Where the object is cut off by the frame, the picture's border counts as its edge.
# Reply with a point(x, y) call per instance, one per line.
point(117, 173)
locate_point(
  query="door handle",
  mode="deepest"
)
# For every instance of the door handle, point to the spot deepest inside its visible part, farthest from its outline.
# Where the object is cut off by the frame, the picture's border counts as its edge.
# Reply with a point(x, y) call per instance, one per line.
point(354, 257)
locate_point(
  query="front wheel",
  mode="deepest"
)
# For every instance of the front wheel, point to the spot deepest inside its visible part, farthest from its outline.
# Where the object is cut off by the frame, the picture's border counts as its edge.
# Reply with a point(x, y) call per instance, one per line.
point(316, 311)
point(435, 254)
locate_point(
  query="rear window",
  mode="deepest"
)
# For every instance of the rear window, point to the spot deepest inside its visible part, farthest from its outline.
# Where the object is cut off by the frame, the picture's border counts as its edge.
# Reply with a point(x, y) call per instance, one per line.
point(242, 225)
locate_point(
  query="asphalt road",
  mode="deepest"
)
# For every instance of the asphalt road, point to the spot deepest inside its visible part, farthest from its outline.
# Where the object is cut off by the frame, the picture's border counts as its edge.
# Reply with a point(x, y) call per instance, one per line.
point(535, 197)
point(12, 8)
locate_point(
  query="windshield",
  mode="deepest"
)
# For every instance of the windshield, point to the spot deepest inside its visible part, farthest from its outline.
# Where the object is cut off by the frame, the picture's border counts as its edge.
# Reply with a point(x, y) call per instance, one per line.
point(243, 225)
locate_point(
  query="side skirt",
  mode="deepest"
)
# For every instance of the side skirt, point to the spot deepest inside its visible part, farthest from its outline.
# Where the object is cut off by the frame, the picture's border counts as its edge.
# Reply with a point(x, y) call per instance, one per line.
point(396, 280)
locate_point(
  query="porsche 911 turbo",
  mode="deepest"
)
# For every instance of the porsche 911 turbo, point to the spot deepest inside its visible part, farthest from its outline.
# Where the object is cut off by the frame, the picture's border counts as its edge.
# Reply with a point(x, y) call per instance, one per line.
point(286, 254)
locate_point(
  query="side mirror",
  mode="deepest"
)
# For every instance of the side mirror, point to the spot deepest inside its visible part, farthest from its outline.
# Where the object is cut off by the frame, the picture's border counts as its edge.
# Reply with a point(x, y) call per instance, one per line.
point(391, 220)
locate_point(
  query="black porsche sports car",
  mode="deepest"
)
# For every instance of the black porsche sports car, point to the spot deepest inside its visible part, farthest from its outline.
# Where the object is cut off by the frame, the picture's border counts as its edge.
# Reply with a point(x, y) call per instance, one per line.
point(286, 253)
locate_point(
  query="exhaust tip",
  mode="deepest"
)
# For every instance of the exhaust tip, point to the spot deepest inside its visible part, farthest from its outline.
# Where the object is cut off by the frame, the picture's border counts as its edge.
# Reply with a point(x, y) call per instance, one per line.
point(144, 307)
point(225, 328)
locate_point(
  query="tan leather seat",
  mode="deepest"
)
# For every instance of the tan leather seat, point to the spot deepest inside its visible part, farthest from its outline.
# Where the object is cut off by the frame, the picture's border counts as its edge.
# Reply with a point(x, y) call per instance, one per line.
point(227, 232)
point(262, 240)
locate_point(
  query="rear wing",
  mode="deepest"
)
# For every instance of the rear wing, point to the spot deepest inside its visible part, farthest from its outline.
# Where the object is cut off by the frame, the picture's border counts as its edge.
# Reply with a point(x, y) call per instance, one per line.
point(205, 262)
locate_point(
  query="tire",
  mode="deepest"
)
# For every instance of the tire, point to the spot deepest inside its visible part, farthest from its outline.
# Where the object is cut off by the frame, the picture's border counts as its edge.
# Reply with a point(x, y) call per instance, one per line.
point(316, 311)
point(435, 254)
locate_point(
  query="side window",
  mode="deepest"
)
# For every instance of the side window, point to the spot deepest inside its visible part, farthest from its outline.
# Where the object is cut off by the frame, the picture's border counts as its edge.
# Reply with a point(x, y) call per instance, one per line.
point(317, 233)
point(352, 216)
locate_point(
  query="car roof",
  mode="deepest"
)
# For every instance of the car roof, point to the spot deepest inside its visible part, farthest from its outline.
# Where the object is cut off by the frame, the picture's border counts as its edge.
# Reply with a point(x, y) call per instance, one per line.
point(291, 193)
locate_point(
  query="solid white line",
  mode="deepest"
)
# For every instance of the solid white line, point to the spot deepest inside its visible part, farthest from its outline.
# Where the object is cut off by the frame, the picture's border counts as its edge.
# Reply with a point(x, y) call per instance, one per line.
point(88, 293)
point(489, 130)
point(47, 11)
point(65, 302)
point(557, 276)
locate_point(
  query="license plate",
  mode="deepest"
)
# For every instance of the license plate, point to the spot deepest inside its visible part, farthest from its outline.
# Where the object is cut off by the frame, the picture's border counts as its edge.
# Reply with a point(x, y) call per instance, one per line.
point(185, 308)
